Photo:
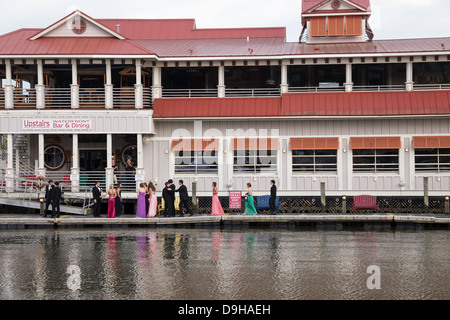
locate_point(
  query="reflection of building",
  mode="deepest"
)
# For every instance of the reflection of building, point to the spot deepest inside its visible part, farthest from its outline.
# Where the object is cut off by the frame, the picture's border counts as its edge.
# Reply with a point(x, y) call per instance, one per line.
point(230, 105)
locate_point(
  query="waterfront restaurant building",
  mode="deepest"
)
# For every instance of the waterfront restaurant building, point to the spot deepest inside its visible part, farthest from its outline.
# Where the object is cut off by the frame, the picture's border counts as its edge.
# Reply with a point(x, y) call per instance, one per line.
point(231, 106)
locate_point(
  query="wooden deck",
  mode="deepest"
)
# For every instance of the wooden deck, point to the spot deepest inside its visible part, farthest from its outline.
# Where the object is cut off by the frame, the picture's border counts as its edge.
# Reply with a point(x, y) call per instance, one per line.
point(14, 221)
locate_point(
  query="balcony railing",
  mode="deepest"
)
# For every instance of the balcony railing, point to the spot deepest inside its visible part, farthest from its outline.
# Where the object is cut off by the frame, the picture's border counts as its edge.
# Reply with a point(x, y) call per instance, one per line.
point(188, 93)
point(24, 97)
point(380, 88)
point(317, 89)
point(124, 97)
point(90, 97)
point(253, 92)
point(57, 97)
point(445, 86)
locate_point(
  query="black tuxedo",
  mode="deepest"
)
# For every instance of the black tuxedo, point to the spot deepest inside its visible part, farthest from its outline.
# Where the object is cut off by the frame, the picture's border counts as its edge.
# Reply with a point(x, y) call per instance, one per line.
point(97, 195)
point(48, 198)
point(169, 197)
point(273, 196)
point(184, 199)
point(56, 195)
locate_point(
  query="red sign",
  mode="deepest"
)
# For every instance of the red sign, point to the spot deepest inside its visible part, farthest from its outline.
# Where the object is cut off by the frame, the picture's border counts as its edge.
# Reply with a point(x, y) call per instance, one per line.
point(235, 200)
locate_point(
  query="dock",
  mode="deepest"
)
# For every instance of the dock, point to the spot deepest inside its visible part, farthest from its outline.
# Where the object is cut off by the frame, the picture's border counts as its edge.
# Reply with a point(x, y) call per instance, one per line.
point(231, 220)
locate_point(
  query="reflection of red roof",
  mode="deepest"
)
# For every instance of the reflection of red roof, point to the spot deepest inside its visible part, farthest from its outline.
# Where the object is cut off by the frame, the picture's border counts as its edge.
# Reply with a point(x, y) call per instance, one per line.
point(171, 29)
point(327, 104)
point(17, 43)
point(309, 4)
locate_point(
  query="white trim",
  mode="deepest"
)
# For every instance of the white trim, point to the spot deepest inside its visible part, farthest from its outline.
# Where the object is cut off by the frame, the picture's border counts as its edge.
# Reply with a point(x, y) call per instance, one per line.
point(351, 4)
point(76, 13)
point(366, 13)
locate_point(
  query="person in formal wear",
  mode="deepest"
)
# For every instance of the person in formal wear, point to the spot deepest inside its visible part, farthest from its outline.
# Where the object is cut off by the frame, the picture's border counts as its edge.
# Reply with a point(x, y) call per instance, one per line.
point(56, 195)
point(168, 200)
point(273, 196)
point(217, 209)
point(97, 196)
point(147, 197)
point(48, 196)
point(111, 202)
point(140, 207)
point(250, 203)
point(184, 199)
point(172, 189)
point(153, 201)
point(119, 204)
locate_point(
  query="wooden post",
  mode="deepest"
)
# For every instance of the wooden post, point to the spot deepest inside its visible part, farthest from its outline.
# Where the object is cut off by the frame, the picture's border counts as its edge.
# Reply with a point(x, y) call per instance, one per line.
point(447, 205)
point(425, 193)
point(323, 197)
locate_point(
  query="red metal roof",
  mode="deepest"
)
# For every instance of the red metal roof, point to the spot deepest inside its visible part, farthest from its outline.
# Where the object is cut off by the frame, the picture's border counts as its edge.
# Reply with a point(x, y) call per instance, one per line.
point(173, 29)
point(17, 43)
point(309, 4)
point(327, 104)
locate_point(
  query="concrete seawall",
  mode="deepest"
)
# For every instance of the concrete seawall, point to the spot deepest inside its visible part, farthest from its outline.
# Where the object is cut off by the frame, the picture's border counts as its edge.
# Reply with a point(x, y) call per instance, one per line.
point(15, 221)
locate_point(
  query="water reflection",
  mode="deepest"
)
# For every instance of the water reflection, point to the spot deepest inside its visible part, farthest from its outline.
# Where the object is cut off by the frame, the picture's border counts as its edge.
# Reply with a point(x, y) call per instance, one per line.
point(234, 264)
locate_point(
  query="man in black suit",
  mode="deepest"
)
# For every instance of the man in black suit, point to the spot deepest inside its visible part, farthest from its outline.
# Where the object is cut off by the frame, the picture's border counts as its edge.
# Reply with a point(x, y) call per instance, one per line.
point(55, 200)
point(273, 196)
point(168, 200)
point(97, 195)
point(171, 190)
point(48, 196)
point(184, 199)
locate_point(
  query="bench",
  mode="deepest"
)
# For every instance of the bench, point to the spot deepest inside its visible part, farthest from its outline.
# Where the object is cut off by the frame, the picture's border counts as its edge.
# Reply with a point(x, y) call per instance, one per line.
point(262, 202)
point(365, 202)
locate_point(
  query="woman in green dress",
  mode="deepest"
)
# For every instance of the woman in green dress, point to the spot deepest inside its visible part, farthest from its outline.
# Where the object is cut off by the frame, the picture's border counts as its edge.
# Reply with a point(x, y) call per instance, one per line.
point(250, 203)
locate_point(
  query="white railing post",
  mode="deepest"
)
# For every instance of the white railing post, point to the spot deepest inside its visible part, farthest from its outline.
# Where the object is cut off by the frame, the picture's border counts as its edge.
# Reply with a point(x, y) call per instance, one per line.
point(9, 88)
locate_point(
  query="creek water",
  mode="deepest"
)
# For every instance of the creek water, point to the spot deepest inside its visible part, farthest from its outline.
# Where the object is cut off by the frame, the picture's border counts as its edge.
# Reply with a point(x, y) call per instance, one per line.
point(203, 264)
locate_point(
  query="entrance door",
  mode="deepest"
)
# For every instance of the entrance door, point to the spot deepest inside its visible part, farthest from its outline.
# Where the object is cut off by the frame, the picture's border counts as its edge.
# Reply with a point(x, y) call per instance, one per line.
point(92, 160)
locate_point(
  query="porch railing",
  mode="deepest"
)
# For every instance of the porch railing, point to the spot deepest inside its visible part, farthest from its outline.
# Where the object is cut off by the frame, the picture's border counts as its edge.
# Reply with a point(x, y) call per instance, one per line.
point(126, 178)
point(147, 97)
point(24, 97)
point(188, 93)
point(58, 98)
point(380, 88)
point(124, 97)
point(317, 89)
point(253, 92)
point(92, 97)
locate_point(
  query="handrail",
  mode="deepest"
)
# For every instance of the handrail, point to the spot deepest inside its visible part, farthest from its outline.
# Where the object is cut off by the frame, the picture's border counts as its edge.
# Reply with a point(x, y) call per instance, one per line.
point(188, 93)
point(252, 92)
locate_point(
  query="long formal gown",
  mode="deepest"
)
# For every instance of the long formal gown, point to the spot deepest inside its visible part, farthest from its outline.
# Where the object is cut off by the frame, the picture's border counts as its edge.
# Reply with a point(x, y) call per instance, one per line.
point(153, 207)
point(118, 205)
point(250, 206)
point(217, 209)
point(140, 208)
point(111, 207)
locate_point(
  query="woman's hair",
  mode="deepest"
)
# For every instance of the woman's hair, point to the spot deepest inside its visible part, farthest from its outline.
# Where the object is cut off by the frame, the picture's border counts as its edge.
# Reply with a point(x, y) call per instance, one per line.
point(111, 187)
point(214, 184)
point(249, 184)
point(151, 186)
point(142, 185)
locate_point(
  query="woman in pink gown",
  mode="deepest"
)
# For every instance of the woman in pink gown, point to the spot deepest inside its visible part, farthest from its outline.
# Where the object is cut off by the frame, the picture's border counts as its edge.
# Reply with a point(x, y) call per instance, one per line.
point(153, 201)
point(217, 209)
point(111, 202)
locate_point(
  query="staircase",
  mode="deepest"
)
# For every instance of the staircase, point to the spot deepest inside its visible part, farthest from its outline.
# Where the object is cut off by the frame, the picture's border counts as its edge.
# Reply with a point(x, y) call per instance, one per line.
point(24, 194)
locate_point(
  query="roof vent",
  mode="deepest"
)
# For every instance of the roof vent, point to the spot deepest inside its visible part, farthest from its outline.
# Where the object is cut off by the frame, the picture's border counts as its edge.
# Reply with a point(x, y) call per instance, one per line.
point(118, 28)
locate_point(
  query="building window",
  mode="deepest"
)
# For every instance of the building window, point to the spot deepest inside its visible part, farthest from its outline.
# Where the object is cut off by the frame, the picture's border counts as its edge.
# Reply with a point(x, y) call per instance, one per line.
point(196, 156)
point(54, 157)
point(432, 160)
point(375, 160)
point(255, 161)
point(314, 161)
point(196, 162)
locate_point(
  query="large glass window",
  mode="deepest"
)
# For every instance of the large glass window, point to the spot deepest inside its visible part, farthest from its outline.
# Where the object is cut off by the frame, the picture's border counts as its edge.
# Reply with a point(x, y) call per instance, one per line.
point(196, 162)
point(376, 160)
point(255, 161)
point(314, 161)
point(432, 160)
